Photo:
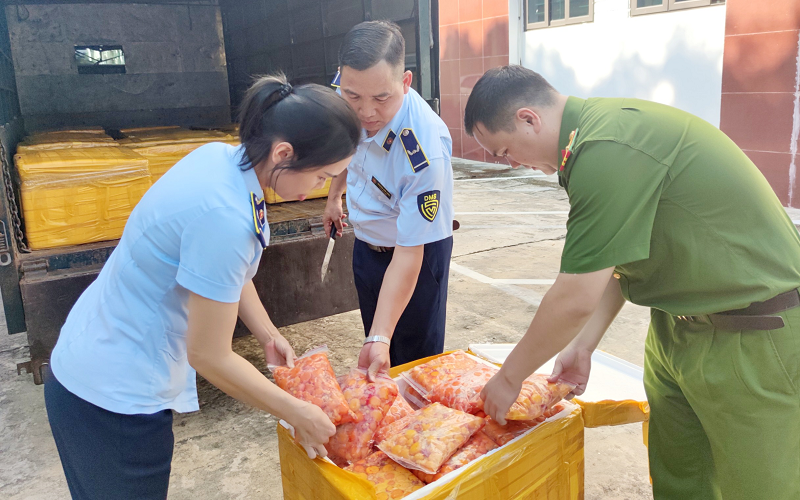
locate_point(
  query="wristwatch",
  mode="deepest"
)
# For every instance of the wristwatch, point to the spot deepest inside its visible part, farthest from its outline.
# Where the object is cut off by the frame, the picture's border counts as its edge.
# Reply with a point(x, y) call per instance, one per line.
point(377, 338)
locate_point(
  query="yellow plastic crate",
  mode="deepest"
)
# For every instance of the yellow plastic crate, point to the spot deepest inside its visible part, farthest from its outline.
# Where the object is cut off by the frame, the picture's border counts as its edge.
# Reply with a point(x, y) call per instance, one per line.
point(76, 196)
point(547, 464)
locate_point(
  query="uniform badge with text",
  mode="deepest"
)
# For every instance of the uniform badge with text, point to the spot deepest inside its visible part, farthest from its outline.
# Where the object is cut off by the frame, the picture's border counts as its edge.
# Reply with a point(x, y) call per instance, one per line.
point(428, 204)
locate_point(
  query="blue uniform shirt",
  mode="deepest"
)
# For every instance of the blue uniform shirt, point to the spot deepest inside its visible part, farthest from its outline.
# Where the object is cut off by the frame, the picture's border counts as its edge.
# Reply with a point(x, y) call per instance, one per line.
point(400, 181)
point(123, 346)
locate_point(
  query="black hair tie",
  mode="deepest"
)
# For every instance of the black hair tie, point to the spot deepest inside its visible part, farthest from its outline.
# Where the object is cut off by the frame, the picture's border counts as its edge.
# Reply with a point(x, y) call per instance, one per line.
point(286, 89)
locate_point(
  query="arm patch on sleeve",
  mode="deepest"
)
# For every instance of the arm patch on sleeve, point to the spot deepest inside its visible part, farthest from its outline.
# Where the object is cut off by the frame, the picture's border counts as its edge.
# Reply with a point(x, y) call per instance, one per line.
point(428, 204)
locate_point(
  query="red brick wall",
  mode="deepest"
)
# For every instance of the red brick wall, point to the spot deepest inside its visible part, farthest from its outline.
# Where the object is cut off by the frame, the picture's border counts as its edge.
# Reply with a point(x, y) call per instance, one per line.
point(760, 88)
point(473, 37)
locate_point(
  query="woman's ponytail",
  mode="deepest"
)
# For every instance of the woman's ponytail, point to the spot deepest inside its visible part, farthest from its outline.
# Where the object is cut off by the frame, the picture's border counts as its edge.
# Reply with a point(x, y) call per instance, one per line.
point(318, 123)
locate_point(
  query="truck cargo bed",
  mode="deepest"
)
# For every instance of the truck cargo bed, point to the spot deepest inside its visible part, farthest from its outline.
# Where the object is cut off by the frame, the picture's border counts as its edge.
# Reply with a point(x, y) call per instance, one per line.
point(288, 279)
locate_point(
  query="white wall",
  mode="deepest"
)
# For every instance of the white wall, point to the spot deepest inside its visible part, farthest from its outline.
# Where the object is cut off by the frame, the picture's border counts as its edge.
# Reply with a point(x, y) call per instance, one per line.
point(671, 57)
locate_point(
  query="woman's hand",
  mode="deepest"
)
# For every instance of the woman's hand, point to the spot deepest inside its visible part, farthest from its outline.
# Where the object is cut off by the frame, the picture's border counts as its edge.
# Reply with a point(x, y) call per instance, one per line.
point(374, 358)
point(573, 365)
point(498, 395)
point(333, 216)
point(279, 352)
point(312, 429)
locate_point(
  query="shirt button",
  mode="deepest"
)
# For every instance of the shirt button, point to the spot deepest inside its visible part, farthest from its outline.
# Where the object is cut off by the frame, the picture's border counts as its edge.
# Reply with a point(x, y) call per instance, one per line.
point(617, 275)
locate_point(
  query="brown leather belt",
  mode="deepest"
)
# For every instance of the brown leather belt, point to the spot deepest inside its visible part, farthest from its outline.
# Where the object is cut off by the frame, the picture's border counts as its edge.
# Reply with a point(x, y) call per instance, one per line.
point(376, 248)
point(756, 316)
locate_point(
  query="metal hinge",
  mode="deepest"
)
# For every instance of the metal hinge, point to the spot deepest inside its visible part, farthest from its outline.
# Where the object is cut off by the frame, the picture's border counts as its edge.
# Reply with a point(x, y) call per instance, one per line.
point(434, 104)
point(5, 248)
point(34, 268)
point(36, 368)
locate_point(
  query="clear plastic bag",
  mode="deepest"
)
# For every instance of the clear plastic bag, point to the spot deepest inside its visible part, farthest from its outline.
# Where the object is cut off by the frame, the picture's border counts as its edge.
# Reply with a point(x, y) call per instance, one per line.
point(412, 395)
point(502, 434)
point(399, 409)
point(372, 401)
point(427, 375)
point(395, 427)
point(312, 379)
point(434, 434)
point(537, 395)
point(463, 392)
point(390, 479)
point(477, 446)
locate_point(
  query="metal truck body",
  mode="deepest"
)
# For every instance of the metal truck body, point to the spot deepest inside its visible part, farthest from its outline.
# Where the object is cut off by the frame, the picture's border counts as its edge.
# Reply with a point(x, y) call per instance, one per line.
point(187, 63)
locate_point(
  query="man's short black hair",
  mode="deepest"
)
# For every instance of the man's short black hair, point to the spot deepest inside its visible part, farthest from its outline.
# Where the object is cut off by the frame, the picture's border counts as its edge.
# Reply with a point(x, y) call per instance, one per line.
point(371, 42)
point(501, 92)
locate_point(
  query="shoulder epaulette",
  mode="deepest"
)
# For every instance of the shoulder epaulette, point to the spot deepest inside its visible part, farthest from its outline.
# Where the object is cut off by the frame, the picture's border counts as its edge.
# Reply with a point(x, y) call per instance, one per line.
point(416, 156)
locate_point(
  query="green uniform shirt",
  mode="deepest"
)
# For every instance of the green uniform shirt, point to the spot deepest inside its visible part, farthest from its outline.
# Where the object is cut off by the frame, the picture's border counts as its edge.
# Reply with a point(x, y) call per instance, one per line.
point(688, 221)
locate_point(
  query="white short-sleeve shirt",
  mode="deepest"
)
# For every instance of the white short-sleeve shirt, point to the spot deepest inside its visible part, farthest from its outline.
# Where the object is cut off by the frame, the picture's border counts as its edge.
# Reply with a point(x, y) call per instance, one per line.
point(123, 346)
point(400, 181)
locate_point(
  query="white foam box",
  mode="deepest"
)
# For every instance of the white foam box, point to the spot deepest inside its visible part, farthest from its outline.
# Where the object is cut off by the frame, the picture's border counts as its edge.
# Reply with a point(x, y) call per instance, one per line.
point(614, 395)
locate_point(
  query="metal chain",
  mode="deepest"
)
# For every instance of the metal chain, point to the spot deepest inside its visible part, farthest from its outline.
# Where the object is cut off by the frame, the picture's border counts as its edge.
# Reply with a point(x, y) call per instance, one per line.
point(19, 236)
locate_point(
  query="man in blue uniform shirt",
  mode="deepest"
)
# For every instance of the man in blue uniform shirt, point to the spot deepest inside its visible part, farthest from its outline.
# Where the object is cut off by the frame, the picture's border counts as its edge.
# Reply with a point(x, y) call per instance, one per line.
point(399, 198)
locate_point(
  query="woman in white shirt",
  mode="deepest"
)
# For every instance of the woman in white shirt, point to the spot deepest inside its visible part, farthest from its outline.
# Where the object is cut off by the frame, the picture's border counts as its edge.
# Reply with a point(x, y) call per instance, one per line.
point(166, 302)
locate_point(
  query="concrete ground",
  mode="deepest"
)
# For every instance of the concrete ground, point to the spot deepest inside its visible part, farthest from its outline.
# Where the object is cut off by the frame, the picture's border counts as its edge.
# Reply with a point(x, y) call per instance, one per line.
point(511, 236)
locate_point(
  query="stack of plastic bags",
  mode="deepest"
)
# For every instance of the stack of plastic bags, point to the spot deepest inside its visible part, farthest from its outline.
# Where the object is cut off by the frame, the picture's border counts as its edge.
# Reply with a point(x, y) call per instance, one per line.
point(66, 139)
point(165, 146)
point(399, 447)
point(78, 194)
point(80, 186)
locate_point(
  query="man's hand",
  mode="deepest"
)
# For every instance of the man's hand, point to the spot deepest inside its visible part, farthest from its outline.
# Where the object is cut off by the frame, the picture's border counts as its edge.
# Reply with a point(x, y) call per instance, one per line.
point(573, 365)
point(333, 216)
point(279, 352)
point(374, 358)
point(498, 395)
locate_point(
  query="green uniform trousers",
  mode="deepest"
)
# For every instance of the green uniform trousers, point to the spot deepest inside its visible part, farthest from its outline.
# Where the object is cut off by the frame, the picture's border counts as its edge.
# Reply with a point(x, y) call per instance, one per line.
point(725, 410)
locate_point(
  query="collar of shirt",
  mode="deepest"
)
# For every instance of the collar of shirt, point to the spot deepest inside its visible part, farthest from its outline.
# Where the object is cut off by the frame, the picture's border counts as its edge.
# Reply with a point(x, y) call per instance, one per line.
point(393, 124)
point(569, 122)
point(249, 175)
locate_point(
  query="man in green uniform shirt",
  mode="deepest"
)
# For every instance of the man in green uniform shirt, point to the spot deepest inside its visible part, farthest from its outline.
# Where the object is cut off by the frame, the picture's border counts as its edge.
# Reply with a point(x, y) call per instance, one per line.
point(666, 212)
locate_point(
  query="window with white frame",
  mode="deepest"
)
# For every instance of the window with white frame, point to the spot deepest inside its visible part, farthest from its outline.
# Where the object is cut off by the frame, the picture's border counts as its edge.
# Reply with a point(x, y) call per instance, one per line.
point(639, 7)
point(547, 13)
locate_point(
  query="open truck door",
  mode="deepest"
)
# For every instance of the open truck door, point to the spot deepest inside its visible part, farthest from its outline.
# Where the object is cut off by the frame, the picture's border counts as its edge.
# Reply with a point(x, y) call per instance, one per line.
point(299, 37)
